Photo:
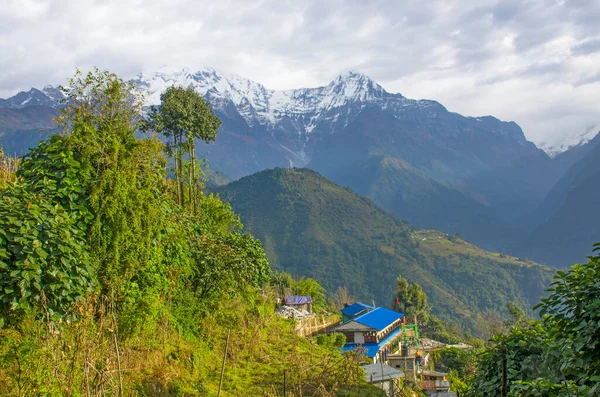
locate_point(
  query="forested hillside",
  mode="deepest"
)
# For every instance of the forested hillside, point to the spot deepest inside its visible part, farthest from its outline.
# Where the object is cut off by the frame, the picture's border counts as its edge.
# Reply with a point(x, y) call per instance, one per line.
point(310, 226)
point(115, 280)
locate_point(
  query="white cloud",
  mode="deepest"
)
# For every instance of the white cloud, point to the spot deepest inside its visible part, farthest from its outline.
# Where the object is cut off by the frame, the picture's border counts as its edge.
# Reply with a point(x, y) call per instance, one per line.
point(533, 62)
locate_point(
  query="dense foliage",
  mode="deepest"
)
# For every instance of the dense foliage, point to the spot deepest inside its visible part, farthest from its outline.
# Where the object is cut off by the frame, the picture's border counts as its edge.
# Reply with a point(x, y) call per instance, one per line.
point(43, 258)
point(410, 300)
point(556, 356)
point(110, 286)
point(312, 227)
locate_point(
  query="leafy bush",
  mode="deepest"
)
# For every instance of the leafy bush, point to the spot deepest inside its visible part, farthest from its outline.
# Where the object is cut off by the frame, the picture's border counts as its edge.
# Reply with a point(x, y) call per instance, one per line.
point(463, 361)
point(43, 258)
point(557, 356)
point(334, 340)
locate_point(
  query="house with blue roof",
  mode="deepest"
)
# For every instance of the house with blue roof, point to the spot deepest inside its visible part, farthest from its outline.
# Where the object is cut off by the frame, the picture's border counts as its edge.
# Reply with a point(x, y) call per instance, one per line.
point(372, 330)
point(354, 310)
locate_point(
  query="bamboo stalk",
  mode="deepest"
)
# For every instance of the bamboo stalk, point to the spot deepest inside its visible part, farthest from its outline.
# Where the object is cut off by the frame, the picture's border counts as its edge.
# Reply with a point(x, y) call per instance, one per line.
point(118, 356)
point(223, 366)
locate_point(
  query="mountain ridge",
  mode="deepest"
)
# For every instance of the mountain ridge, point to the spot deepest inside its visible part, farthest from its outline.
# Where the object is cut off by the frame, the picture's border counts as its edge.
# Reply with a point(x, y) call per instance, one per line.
point(218, 85)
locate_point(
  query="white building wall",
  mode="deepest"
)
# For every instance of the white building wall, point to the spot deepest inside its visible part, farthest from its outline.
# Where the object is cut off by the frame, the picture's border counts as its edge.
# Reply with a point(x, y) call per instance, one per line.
point(359, 337)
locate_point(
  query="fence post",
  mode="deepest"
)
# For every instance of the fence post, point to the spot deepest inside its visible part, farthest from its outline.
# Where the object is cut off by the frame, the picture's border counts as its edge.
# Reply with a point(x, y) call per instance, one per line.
point(223, 366)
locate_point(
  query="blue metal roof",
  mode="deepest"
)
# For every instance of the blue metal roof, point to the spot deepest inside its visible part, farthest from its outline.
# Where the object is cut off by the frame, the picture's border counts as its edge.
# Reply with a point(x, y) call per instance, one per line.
point(379, 318)
point(355, 308)
point(373, 348)
point(297, 300)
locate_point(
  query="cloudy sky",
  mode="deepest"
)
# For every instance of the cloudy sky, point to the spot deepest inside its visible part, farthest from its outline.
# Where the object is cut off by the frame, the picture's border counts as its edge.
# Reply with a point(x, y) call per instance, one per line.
point(534, 62)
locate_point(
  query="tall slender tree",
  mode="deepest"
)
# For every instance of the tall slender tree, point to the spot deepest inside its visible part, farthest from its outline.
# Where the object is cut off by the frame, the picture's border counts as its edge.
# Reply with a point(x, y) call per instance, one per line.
point(410, 299)
point(183, 117)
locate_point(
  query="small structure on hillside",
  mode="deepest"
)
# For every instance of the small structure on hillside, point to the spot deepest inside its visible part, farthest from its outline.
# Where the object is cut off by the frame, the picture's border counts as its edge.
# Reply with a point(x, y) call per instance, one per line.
point(434, 382)
point(405, 363)
point(354, 310)
point(382, 376)
point(372, 331)
point(302, 303)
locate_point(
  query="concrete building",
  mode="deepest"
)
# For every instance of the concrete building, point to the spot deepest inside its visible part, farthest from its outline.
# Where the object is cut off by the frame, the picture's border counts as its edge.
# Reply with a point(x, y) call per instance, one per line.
point(434, 383)
point(404, 363)
point(382, 376)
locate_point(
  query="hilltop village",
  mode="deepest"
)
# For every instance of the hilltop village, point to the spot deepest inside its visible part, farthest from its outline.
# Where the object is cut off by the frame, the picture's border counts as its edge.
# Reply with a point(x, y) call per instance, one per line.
point(392, 351)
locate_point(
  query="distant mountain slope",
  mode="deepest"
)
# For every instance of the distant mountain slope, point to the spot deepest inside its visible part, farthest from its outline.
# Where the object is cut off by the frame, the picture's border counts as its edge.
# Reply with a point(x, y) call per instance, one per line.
point(213, 179)
point(570, 215)
point(22, 128)
point(313, 227)
point(567, 237)
point(487, 175)
point(319, 127)
point(586, 166)
point(379, 158)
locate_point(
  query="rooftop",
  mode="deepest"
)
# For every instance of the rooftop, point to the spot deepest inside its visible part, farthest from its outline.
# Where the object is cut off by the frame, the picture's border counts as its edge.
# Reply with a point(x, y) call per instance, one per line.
point(435, 374)
point(379, 318)
point(378, 372)
point(297, 300)
point(355, 308)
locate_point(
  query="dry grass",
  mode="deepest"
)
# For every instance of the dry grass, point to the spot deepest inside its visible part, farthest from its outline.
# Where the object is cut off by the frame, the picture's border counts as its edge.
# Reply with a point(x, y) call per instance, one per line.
point(8, 168)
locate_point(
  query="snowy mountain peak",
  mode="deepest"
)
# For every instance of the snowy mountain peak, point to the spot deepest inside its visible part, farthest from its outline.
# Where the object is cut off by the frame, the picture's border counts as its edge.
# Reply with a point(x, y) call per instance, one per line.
point(567, 141)
point(230, 87)
point(357, 86)
point(55, 94)
point(49, 96)
point(350, 75)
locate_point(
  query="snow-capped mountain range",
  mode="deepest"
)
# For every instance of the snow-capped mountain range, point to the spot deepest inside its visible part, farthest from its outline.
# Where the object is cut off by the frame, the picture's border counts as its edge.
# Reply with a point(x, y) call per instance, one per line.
point(48, 96)
point(261, 106)
point(301, 110)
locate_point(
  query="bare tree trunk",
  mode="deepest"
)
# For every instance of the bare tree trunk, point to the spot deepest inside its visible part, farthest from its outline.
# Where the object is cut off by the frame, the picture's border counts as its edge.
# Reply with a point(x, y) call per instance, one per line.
point(190, 173)
point(181, 181)
point(223, 366)
point(194, 180)
point(118, 355)
point(176, 155)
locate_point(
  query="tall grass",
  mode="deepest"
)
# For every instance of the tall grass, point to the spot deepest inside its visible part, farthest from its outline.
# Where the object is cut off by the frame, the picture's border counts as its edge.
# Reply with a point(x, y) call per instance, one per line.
point(8, 168)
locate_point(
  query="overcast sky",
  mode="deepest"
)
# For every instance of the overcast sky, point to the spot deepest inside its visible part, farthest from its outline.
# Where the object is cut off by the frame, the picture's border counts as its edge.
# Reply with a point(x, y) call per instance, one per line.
point(534, 62)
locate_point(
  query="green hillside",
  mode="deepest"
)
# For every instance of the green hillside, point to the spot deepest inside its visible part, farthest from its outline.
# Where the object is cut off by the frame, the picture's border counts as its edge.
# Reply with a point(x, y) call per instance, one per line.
point(313, 227)
point(397, 187)
point(113, 284)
